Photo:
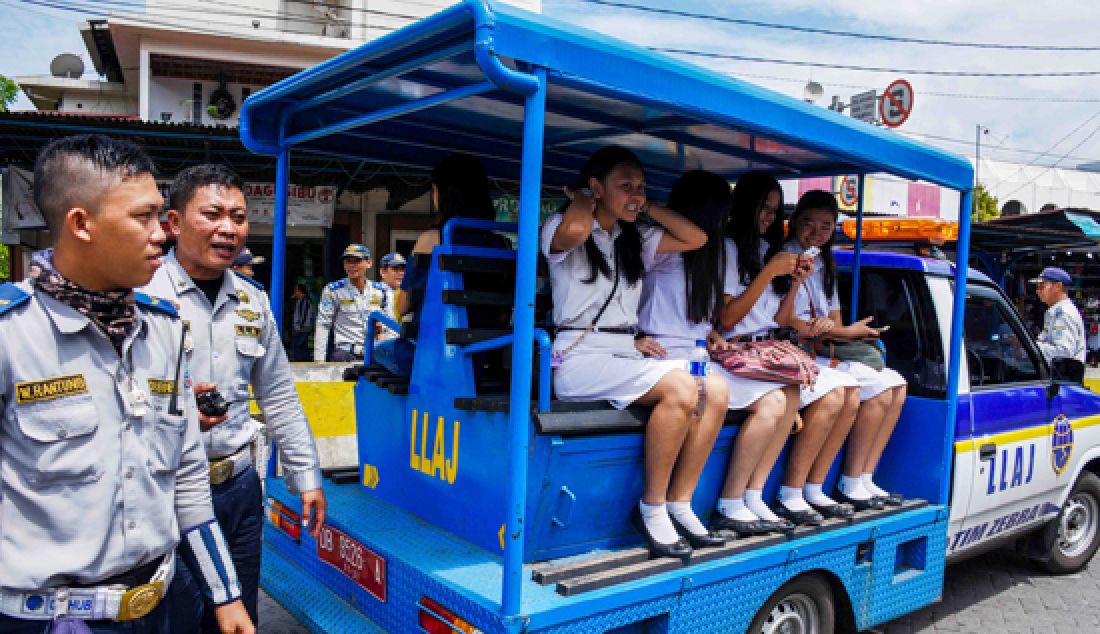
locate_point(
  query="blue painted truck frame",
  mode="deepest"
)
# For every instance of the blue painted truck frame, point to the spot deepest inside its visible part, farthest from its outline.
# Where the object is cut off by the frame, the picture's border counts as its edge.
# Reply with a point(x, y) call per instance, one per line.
point(532, 97)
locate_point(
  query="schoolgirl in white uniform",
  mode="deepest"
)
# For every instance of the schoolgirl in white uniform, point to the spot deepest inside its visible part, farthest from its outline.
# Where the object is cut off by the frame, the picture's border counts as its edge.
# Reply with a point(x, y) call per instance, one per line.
point(597, 258)
point(752, 299)
point(816, 312)
point(680, 301)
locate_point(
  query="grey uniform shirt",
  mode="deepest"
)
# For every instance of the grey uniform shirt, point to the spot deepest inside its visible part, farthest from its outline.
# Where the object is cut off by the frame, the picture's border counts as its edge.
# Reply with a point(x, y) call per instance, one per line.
point(91, 484)
point(1063, 332)
point(344, 310)
point(232, 345)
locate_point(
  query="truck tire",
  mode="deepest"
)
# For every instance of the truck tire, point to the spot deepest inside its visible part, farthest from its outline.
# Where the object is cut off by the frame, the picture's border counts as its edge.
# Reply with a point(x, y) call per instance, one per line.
point(803, 605)
point(1075, 534)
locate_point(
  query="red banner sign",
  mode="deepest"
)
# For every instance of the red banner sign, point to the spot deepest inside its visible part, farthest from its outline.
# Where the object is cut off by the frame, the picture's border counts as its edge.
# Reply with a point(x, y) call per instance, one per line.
point(356, 561)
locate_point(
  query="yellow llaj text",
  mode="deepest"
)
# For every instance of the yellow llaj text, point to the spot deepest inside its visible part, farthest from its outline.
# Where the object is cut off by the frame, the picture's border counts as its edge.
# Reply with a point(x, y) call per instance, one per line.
point(436, 463)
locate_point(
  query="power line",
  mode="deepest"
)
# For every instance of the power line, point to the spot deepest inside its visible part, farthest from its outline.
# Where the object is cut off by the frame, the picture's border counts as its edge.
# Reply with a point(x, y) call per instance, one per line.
point(875, 69)
point(999, 148)
point(835, 33)
point(1071, 150)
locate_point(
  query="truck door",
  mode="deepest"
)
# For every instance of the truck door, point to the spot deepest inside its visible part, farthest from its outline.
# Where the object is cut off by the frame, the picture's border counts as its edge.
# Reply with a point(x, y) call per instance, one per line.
point(1011, 413)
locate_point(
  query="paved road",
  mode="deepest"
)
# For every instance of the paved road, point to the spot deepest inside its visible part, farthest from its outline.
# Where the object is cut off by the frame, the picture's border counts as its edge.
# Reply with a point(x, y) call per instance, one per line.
point(995, 593)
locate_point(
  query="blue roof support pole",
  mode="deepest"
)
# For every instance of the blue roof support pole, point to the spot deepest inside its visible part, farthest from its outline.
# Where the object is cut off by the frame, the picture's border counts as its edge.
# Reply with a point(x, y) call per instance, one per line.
point(519, 411)
point(958, 309)
point(858, 255)
point(278, 262)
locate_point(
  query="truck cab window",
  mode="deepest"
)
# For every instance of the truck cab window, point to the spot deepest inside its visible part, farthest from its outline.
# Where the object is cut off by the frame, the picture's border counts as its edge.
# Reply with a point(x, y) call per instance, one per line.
point(998, 351)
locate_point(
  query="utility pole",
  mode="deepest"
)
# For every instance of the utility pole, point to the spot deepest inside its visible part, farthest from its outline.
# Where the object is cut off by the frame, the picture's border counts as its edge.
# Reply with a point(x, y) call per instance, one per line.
point(978, 132)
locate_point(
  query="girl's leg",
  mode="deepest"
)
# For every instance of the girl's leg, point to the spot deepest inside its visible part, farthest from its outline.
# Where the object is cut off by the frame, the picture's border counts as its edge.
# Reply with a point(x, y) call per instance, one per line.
point(765, 463)
point(758, 433)
point(819, 419)
point(868, 422)
point(672, 398)
point(702, 432)
point(835, 440)
point(882, 437)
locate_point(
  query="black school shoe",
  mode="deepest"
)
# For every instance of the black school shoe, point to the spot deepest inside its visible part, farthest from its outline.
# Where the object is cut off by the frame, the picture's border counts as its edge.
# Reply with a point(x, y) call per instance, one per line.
point(679, 549)
point(891, 499)
point(808, 517)
point(707, 540)
point(742, 528)
point(870, 504)
point(839, 511)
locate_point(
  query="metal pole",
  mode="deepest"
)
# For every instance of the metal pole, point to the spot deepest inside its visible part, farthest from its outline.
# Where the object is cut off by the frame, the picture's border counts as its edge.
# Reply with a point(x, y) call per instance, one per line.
point(977, 154)
point(853, 309)
point(278, 240)
point(519, 412)
point(958, 308)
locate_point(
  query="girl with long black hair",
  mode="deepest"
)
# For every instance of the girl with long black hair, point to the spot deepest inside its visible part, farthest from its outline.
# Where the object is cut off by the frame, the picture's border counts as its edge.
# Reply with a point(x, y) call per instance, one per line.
point(680, 302)
point(816, 312)
point(757, 277)
point(598, 255)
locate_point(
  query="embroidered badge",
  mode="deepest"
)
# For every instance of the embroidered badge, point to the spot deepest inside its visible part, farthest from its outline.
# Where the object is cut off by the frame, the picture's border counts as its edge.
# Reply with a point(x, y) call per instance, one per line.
point(242, 297)
point(162, 387)
point(249, 331)
point(49, 389)
point(347, 301)
point(248, 315)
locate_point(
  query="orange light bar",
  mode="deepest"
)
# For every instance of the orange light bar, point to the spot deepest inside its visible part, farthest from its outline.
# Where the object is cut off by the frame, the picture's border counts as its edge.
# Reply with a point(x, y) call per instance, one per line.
point(932, 229)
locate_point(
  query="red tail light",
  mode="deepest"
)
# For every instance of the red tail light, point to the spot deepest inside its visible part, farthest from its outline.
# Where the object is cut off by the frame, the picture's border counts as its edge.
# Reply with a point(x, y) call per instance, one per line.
point(436, 619)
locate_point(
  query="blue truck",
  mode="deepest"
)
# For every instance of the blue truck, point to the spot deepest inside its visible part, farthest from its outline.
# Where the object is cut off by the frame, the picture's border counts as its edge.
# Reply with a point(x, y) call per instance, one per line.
point(482, 504)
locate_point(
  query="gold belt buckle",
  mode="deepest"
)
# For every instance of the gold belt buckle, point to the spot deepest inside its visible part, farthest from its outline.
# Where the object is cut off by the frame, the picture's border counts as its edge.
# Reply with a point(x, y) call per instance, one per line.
point(139, 601)
point(221, 471)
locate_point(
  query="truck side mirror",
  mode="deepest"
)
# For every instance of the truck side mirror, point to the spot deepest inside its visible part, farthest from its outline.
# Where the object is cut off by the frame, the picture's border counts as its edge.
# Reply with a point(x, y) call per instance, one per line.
point(1066, 371)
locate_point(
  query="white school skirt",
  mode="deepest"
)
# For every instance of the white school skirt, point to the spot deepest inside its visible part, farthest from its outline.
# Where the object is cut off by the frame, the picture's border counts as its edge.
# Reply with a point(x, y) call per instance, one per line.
point(828, 380)
point(872, 382)
point(743, 392)
point(607, 367)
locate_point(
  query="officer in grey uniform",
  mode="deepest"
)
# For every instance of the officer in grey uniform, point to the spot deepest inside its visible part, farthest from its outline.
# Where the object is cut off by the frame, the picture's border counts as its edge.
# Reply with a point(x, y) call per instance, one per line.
point(1063, 333)
point(344, 308)
point(101, 462)
point(232, 344)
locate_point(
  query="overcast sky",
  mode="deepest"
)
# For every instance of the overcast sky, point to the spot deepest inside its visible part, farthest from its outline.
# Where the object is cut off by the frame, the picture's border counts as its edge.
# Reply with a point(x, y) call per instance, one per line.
point(1050, 121)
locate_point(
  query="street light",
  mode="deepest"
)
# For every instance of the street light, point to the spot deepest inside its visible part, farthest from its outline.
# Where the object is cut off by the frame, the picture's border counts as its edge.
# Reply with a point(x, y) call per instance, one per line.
point(979, 130)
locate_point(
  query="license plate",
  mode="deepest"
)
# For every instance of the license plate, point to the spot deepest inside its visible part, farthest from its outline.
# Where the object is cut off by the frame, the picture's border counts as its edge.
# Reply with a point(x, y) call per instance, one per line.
point(356, 561)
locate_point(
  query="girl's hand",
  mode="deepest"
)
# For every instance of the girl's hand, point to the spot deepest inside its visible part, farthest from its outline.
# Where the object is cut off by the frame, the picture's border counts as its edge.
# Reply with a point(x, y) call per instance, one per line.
point(720, 345)
point(861, 330)
point(820, 326)
point(649, 347)
point(782, 263)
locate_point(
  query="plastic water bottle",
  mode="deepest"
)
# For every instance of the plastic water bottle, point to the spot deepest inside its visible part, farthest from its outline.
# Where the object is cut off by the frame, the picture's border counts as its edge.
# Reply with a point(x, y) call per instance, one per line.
point(697, 365)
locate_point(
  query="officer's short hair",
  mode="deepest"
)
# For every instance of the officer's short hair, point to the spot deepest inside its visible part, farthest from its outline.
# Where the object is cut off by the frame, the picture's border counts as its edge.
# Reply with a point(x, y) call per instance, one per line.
point(196, 177)
point(76, 171)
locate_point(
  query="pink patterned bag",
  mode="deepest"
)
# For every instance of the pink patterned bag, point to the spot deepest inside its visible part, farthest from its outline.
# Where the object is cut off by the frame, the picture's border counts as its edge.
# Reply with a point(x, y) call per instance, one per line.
point(772, 360)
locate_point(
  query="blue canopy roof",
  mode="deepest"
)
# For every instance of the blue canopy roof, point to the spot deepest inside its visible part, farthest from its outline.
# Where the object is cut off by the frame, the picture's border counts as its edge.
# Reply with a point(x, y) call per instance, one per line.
point(674, 114)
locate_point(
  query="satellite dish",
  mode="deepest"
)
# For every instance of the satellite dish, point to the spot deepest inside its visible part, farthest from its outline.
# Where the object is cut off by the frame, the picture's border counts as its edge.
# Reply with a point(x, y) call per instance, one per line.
point(67, 65)
point(812, 92)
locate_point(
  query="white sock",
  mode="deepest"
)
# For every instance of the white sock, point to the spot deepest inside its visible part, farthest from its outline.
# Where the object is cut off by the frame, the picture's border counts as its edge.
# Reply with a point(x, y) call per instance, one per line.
point(683, 514)
point(657, 523)
point(734, 508)
point(869, 484)
point(853, 488)
point(814, 495)
point(754, 500)
point(791, 497)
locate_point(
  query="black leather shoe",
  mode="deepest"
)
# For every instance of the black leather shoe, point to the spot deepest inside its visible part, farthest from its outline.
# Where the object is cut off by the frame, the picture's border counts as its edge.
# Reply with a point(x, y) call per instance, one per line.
point(679, 549)
point(743, 528)
point(808, 517)
point(870, 504)
point(706, 540)
point(841, 511)
point(891, 499)
point(778, 526)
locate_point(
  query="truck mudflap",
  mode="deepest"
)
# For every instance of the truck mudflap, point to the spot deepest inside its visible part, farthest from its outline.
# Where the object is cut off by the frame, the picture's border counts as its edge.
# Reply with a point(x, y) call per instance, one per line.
point(391, 569)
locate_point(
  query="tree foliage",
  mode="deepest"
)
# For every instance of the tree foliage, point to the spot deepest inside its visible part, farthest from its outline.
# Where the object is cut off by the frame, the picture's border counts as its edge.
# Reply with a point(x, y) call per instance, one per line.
point(5, 263)
point(986, 206)
point(9, 91)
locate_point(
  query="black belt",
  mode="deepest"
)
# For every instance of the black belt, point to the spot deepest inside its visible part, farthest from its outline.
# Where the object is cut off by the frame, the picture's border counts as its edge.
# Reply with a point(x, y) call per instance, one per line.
point(611, 330)
point(131, 578)
point(775, 334)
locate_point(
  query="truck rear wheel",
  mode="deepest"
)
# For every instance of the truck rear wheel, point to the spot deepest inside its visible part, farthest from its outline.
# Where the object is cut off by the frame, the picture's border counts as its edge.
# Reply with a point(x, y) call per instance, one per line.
point(1075, 533)
point(803, 605)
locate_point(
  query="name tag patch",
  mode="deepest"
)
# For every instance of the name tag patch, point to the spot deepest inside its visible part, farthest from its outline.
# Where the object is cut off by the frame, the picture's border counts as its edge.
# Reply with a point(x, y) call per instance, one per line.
point(248, 315)
point(347, 301)
point(162, 387)
point(249, 331)
point(49, 389)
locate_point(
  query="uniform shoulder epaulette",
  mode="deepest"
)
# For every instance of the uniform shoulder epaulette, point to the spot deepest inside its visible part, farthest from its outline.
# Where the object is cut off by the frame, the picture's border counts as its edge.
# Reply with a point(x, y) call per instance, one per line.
point(249, 280)
point(156, 304)
point(11, 296)
point(336, 285)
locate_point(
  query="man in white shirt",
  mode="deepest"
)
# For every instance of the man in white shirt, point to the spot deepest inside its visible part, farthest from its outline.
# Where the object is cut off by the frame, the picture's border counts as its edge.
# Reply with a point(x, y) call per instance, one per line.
point(1063, 333)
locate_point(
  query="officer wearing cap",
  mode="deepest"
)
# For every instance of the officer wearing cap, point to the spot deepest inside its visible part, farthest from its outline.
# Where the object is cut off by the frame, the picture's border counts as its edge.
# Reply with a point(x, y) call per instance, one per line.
point(232, 344)
point(391, 270)
point(1063, 333)
point(344, 308)
point(244, 262)
point(102, 461)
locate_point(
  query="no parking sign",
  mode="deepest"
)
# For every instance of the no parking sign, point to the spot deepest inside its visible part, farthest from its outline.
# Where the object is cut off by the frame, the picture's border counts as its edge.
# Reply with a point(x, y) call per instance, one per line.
point(849, 194)
point(896, 103)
